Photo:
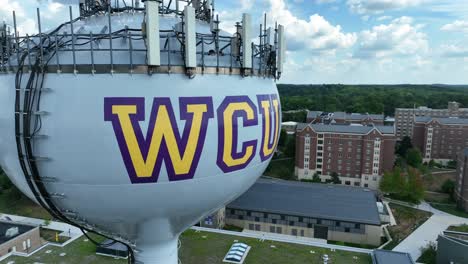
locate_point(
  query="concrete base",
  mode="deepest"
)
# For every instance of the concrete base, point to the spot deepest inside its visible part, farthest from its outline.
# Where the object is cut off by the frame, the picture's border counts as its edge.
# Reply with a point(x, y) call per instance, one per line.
point(163, 252)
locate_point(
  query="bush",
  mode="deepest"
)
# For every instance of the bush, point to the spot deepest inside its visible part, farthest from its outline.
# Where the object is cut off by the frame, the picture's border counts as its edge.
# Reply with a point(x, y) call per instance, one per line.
point(429, 254)
point(448, 187)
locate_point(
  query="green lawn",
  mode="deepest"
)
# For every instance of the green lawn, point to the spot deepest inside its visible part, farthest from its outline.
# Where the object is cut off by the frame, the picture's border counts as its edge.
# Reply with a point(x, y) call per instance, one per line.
point(408, 219)
point(460, 228)
point(51, 236)
point(77, 252)
point(203, 248)
point(15, 203)
point(450, 208)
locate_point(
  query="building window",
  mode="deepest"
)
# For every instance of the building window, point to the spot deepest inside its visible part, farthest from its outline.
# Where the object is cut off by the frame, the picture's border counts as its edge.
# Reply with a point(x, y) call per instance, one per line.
point(366, 185)
point(24, 245)
point(251, 227)
point(257, 227)
point(272, 229)
point(347, 230)
point(302, 233)
point(357, 226)
point(337, 223)
point(294, 232)
point(28, 243)
point(347, 182)
point(279, 230)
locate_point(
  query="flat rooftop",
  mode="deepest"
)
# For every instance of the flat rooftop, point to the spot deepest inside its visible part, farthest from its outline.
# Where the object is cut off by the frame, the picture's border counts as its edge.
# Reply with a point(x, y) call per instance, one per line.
point(4, 226)
point(323, 201)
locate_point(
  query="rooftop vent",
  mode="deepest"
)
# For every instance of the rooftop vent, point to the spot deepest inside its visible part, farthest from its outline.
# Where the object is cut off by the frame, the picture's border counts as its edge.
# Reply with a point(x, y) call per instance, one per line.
point(237, 253)
point(11, 232)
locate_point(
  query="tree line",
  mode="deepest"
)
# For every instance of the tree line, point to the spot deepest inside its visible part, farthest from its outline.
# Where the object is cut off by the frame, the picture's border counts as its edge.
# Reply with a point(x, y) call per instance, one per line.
point(368, 98)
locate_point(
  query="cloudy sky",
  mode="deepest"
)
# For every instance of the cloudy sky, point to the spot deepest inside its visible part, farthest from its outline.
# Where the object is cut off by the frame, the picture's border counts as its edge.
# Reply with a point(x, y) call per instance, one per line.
point(340, 41)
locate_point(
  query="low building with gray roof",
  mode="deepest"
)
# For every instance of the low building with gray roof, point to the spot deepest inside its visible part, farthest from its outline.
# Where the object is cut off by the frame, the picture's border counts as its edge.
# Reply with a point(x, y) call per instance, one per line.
point(391, 257)
point(329, 212)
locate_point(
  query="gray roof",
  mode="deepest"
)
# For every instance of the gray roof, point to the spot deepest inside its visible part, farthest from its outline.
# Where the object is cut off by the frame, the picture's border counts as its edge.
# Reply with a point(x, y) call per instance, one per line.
point(350, 129)
point(445, 121)
point(4, 226)
point(313, 114)
point(391, 257)
point(332, 202)
point(364, 116)
point(347, 116)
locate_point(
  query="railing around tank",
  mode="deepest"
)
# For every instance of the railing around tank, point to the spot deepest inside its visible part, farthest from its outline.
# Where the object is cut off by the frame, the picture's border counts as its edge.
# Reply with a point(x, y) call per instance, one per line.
point(88, 52)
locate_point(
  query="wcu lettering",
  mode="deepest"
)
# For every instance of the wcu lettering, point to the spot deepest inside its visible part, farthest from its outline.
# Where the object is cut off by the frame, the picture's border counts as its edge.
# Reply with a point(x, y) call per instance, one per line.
point(143, 155)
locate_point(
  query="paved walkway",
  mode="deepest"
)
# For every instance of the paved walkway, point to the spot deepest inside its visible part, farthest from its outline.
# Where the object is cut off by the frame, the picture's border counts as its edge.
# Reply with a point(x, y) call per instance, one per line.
point(429, 231)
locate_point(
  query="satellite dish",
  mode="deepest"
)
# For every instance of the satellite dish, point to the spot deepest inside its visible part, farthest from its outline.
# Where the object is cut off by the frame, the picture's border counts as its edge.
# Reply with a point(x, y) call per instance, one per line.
point(138, 132)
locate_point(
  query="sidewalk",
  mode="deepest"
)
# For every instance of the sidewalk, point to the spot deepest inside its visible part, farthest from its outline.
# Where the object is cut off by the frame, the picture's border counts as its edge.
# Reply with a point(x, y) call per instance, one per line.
point(429, 231)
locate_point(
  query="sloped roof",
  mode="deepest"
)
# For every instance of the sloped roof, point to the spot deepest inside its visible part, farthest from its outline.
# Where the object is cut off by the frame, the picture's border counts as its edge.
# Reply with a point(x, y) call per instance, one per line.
point(444, 120)
point(332, 202)
point(392, 257)
point(348, 129)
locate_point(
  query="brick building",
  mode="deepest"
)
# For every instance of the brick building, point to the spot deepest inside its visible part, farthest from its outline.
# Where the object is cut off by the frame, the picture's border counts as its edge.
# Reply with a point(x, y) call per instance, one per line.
point(461, 184)
point(18, 238)
point(329, 212)
point(319, 117)
point(404, 117)
point(358, 154)
point(440, 139)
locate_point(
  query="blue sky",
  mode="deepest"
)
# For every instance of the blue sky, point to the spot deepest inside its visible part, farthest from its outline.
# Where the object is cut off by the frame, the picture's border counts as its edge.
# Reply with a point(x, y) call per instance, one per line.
point(340, 41)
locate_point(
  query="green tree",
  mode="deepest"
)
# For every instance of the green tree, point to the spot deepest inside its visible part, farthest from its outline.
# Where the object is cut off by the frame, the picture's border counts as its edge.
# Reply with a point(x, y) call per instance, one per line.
point(414, 158)
point(316, 178)
point(414, 188)
point(386, 183)
point(283, 138)
point(449, 188)
point(290, 149)
point(335, 179)
point(403, 147)
point(452, 164)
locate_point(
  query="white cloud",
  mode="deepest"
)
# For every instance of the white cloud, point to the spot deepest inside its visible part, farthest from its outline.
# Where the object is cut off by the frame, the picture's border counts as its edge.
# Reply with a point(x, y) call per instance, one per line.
point(325, 1)
point(379, 6)
point(399, 38)
point(458, 25)
point(454, 51)
point(382, 18)
point(316, 33)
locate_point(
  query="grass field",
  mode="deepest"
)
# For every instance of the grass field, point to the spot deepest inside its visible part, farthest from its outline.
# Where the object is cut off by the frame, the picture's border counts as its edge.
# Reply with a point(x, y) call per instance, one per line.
point(203, 248)
point(459, 228)
point(434, 182)
point(408, 219)
point(15, 203)
point(451, 209)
